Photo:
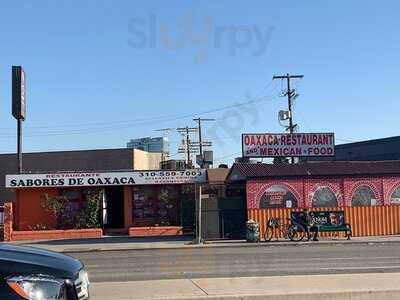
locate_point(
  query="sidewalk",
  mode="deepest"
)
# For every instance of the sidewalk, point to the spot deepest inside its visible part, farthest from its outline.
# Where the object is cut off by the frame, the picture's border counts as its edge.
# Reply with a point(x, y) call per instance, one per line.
point(354, 286)
point(181, 242)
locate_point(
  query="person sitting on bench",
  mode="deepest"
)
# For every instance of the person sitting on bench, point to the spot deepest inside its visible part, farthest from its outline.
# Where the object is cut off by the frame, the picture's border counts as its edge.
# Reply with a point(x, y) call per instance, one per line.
point(306, 221)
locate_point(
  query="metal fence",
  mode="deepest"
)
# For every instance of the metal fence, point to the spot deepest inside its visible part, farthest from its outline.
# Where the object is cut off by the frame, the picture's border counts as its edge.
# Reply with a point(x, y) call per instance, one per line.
point(364, 220)
point(224, 224)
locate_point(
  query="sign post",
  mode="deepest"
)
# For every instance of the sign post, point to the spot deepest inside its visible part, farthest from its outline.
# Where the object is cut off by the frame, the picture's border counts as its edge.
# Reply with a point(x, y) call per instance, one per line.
point(198, 214)
point(18, 106)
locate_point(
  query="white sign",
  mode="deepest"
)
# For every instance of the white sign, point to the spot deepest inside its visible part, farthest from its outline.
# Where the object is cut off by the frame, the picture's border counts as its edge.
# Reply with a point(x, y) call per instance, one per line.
point(284, 145)
point(395, 200)
point(104, 179)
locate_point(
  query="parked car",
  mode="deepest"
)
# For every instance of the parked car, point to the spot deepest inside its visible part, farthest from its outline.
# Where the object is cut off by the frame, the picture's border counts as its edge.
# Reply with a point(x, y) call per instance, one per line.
point(34, 274)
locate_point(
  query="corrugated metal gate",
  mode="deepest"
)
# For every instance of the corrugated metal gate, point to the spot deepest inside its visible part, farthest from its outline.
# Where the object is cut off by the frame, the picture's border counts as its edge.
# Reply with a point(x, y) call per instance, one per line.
point(223, 218)
point(364, 220)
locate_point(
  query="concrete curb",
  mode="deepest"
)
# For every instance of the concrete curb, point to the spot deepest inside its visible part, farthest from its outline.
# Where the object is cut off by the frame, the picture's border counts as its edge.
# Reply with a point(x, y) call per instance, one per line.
point(359, 295)
point(216, 245)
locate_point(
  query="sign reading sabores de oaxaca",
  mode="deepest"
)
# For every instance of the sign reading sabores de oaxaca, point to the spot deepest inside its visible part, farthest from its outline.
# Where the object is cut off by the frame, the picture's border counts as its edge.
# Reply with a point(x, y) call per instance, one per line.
point(282, 145)
point(68, 179)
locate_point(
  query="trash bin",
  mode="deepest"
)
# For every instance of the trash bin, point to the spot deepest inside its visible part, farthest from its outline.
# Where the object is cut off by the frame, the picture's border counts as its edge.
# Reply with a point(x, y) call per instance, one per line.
point(252, 231)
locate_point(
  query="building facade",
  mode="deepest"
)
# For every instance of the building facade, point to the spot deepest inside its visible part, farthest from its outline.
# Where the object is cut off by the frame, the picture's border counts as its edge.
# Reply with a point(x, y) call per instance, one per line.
point(367, 192)
point(135, 202)
point(322, 184)
point(81, 160)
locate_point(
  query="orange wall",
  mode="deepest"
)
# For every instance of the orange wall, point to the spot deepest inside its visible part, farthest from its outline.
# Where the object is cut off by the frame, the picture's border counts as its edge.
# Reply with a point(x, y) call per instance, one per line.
point(128, 221)
point(29, 210)
point(364, 220)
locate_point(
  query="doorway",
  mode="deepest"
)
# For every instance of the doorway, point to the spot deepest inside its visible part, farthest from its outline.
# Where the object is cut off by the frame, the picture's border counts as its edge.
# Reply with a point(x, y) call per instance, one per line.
point(114, 196)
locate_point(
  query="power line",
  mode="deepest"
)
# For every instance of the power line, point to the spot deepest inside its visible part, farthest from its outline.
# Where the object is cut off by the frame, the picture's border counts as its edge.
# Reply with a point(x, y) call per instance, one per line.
point(136, 122)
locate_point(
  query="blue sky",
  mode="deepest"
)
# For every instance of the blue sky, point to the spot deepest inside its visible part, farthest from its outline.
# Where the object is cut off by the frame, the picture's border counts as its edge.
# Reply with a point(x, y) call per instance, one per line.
point(102, 72)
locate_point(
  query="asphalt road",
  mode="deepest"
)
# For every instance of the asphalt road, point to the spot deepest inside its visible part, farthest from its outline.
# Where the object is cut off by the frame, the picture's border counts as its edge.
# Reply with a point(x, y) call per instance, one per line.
point(240, 261)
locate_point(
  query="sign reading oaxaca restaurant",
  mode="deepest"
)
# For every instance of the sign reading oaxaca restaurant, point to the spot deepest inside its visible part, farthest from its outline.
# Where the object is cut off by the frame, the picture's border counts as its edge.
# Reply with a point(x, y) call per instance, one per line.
point(75, 179)
point(283, 145)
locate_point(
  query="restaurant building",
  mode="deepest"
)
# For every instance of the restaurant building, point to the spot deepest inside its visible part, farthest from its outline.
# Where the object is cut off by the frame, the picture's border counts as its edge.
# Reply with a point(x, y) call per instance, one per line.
point(77, 161)
point(368, 192)
point(136, 202)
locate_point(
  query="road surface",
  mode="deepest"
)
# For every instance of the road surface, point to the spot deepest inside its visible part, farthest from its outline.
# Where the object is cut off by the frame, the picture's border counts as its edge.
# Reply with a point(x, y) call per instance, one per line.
point(134, 265)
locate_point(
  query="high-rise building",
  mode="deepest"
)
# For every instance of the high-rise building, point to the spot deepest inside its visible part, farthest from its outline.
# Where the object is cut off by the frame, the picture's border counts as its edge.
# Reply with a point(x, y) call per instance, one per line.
point(149, 144)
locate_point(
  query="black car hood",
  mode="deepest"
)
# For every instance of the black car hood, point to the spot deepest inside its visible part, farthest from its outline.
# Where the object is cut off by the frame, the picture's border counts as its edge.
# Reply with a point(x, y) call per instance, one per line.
point(15, 260)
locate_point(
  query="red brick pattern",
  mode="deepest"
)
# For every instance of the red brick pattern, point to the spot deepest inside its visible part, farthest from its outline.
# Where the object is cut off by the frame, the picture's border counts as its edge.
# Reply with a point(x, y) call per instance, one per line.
point(256, 188)
point(312, 185)
point(303, 188)
point(8, 221)
point(389, 185)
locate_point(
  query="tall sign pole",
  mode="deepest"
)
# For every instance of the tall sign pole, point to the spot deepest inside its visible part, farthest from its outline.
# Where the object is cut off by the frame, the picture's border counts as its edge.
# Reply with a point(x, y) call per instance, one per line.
point(18, 107)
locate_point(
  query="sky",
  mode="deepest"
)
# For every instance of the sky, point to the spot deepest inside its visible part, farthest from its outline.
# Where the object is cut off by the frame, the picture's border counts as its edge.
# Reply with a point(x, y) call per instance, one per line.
point(102, 72)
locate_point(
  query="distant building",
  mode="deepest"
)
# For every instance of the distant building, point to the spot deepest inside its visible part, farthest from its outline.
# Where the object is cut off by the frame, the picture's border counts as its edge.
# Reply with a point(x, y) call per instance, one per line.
point(173, 164)
point(149, 144)
point(370, 150)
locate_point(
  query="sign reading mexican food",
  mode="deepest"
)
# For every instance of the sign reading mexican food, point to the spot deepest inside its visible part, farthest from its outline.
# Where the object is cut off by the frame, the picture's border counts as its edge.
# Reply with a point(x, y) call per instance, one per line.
point(103, 179)
point(283, 145)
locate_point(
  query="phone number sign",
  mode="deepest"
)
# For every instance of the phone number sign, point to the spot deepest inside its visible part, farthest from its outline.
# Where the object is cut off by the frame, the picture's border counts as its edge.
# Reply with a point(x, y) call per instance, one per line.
point(288, 145)
point(69, 179)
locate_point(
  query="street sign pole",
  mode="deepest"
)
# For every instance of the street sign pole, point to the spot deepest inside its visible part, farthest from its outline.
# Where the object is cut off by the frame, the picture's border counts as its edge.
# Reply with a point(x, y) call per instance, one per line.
point(19, 145)
point(198, 214)
point(18, 87)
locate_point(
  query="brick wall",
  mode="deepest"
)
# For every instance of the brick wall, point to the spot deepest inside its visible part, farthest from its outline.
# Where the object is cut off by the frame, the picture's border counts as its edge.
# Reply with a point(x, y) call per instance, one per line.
point(303, 188)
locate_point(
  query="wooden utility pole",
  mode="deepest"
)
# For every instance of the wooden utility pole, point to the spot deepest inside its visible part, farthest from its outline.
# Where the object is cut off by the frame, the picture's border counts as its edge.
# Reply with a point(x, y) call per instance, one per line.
point(201, 143)
point(188, 147)
point(291, 94)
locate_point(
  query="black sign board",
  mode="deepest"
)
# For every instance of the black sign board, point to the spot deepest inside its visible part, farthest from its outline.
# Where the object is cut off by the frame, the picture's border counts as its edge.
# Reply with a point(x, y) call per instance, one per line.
point(18, 93)
point(323, 218)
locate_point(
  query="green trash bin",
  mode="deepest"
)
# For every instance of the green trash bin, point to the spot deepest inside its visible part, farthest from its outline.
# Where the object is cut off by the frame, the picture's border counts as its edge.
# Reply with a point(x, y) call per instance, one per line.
point(252, 231)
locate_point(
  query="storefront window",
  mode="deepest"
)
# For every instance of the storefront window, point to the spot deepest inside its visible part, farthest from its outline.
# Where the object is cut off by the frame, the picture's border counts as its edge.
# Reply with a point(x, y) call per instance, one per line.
point(278, 196)
point(363, 196)
point(324, 197)
point(74, 197)
point(156, 205)
point(395, 197)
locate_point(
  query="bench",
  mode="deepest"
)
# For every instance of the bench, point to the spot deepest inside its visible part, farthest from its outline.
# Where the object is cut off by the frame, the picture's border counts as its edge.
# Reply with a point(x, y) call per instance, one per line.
point(328, 221)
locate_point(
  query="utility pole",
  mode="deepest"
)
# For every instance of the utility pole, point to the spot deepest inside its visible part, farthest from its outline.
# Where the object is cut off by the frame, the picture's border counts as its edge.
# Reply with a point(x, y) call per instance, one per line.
point(291, 95)
point(187, 149)
point(201, 143)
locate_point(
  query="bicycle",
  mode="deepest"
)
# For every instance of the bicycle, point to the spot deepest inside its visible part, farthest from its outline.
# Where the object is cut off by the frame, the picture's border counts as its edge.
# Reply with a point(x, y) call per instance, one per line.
point(294, 231)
